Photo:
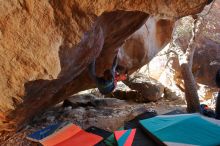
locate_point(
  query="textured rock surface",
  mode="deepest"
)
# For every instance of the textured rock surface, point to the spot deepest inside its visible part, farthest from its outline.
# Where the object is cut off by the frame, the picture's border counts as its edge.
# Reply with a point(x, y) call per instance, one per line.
point(45, 49)
point(149, 89)
point(206, 58)
point(29, 48)
point(145, 43)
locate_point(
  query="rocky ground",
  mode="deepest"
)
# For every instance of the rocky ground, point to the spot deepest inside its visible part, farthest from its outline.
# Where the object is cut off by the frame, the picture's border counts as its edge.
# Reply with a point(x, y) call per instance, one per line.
point(89, 110)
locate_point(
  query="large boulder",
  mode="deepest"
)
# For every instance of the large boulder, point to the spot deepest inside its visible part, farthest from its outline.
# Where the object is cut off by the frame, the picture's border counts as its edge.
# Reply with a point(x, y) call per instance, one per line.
point(148, 88)
point(46, 46)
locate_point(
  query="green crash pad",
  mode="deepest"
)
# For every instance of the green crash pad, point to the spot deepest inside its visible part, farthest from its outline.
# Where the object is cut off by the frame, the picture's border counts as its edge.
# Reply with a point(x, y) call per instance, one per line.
point(185, 129)
point(110, 141)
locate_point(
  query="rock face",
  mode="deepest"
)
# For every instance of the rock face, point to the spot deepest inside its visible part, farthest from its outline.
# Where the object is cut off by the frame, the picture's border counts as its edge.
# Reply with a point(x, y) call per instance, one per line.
point(205, 61)
point(29, 48)
point(46, 46)
point(145, 43)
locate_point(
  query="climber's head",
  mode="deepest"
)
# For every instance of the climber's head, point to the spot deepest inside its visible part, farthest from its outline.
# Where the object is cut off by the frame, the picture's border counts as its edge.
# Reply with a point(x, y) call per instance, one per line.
point(217, 78)
point(108, 75)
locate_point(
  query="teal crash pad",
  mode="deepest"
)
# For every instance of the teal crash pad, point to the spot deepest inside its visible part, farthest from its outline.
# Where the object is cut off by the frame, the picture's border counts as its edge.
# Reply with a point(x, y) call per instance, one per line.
point(186, 129)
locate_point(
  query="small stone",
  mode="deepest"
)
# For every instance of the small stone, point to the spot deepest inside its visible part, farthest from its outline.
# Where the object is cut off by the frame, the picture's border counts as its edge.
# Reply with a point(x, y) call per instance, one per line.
point(50, 118)
point(153, 103)
point(98, 102)
point(69, 108)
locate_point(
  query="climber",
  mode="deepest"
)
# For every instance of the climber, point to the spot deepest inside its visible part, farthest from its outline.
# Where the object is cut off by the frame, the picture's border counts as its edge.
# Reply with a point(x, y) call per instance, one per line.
point(217, 107)
point(121, 73)
point(207, 111)
point(107, 83)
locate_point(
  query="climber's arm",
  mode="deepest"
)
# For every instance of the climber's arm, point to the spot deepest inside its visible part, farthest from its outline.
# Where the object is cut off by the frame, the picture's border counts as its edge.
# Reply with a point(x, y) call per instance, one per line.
point(92, 71)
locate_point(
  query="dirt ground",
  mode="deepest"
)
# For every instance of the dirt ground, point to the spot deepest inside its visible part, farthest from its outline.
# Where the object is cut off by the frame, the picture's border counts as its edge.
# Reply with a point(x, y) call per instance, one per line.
point(120, 112)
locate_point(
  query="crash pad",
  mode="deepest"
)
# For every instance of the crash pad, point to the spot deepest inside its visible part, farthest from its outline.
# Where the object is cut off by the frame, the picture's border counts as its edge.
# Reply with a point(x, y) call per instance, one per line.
point(68, 135)
point(41, 134)
point(110, 141)
point(125, 137)
point(101, 132)
point(191, 129)
point(141, 138)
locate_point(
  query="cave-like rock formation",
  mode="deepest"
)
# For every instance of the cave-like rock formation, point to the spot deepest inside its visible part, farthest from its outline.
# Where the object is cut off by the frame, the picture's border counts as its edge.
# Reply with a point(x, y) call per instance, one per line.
point(46, 46)
point(206, 59)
